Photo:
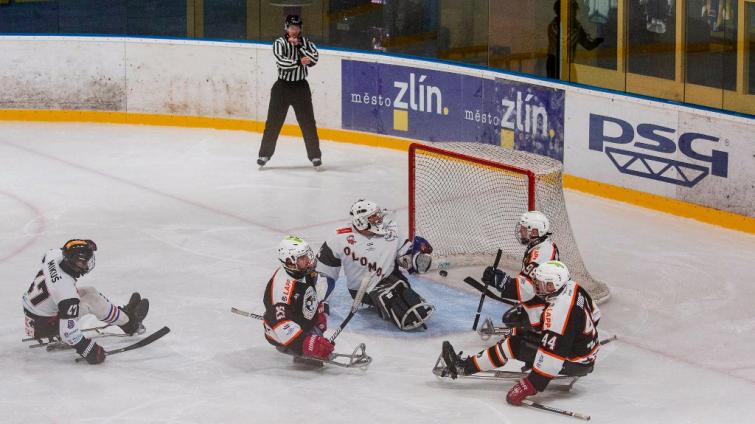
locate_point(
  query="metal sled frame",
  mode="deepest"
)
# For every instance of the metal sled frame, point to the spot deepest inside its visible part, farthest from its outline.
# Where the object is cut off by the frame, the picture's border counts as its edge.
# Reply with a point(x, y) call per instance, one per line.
point(357, 359)
point(440, 370)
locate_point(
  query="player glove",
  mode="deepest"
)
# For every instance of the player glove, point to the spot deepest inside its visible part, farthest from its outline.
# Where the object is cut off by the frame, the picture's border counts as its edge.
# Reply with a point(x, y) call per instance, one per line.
point(321, 317)
point(520, 391)
point(317, 347)
point(495, 277)
point(91, 351)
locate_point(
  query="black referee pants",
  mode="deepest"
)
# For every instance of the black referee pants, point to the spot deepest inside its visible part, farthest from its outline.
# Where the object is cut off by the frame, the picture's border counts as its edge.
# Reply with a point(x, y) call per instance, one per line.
point(283, 95)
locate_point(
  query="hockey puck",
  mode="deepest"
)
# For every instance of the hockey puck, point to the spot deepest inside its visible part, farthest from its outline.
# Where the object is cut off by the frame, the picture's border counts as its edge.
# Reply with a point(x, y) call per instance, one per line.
point(443, 272)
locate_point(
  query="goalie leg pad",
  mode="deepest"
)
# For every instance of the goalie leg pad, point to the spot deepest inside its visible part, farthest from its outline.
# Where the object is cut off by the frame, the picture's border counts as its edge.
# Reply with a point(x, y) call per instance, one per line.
point(398, 302)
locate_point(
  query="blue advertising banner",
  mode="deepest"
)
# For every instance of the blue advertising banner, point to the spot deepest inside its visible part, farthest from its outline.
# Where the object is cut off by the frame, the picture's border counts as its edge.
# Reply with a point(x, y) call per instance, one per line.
point(444, 106)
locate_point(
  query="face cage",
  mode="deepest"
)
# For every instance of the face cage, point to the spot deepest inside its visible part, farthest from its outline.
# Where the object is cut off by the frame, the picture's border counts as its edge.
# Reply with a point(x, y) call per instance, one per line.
point(295, 262)
point(89, 264)
point(518, 233)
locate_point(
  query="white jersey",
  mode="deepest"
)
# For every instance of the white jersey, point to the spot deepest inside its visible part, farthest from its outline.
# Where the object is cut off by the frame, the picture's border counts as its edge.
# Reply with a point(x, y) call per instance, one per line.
point(50, 286)
point(360, 255)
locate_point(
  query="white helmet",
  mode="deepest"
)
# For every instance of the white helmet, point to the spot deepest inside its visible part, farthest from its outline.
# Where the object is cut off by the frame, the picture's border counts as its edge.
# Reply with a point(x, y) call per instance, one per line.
point(367, 215)
point(550, 277)
point(290, 250)
point(532, 225)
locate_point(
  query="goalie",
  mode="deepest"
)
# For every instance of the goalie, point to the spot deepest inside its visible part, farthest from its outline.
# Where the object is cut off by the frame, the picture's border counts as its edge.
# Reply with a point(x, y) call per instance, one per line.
point(568, 344)
point(371, 246)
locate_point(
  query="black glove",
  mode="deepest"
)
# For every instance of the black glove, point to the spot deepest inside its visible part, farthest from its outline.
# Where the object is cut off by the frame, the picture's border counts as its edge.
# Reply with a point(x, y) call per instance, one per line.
point(91, 351)
point(495, 277)
point(515, 317)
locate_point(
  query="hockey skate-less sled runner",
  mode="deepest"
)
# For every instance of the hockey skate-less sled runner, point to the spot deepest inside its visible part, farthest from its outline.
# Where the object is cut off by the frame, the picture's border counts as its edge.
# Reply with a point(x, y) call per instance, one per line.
point(54, 343)
point(357, 359)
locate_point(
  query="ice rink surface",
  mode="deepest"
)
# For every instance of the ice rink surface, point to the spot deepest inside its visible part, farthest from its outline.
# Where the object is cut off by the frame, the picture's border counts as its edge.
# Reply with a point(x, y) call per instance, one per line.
point(185, 217)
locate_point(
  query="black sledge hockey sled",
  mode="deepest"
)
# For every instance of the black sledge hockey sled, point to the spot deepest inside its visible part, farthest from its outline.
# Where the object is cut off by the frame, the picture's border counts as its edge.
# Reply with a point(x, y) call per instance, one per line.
point(357, 359)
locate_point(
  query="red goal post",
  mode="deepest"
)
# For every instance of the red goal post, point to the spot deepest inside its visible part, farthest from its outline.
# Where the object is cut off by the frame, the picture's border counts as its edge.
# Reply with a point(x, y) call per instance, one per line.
point(466, 198)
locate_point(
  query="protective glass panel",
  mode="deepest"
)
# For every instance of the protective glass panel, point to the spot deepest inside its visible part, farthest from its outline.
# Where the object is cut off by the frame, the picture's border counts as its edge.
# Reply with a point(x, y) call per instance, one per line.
point(593, 31)
point(356, 24)
point(520, 41)
point(651, 38)
point(225, 19)
point(463, 31)
point(711, 43)
point(751, 48)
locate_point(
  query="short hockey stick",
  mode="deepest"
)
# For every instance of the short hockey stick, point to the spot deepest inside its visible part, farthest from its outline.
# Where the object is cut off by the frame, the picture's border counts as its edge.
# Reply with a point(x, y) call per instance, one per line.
point(354, 306)
point(246, 314)
point(141, 343)
point(485, 292)
point(542, 407)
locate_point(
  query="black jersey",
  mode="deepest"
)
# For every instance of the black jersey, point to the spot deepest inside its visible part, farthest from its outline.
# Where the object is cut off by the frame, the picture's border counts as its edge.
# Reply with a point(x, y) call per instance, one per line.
point(569, 327)
point(290, 309)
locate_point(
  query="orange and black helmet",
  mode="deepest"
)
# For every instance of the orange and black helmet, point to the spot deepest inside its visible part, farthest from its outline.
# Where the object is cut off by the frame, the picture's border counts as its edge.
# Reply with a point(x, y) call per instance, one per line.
point(78, 256)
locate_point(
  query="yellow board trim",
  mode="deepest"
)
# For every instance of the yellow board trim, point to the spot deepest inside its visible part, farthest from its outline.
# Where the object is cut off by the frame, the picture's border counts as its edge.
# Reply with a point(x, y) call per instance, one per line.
point(634, 197)
point(663, 204)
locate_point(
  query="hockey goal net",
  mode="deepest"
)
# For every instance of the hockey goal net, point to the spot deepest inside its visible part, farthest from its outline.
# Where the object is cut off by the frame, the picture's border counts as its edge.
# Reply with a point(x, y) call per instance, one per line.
point(466, 198)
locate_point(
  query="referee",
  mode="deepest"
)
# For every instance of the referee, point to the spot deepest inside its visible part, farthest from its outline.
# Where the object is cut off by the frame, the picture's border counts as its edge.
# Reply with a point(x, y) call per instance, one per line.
point(293, 55)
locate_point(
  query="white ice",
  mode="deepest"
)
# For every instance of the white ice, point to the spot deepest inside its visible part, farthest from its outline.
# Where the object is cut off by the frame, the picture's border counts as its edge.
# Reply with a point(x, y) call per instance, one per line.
point(185, 217)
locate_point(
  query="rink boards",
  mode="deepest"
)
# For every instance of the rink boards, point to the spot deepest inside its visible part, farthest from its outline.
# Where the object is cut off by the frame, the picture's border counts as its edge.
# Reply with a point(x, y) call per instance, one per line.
point(688, 161)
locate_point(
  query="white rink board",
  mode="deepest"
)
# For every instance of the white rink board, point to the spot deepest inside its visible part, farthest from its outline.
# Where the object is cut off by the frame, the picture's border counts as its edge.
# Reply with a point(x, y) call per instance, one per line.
point(233, 80)
point(50, 73)
point(723, 149)
point(192, 79)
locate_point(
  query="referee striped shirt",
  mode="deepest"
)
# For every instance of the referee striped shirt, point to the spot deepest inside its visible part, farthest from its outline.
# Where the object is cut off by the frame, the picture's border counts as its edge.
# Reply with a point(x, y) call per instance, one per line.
point(288, 58)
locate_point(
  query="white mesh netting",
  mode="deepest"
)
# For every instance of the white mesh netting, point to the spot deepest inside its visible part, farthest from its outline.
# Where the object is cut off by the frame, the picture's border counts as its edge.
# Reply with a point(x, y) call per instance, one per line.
point(467, 205)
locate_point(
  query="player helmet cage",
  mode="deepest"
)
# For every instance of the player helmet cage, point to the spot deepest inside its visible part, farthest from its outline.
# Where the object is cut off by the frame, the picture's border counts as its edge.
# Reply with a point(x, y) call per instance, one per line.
point(293, 20)
point(297, 256)
point(532, 225)
point(550, 277)
point(368, 216)
point(78, 256)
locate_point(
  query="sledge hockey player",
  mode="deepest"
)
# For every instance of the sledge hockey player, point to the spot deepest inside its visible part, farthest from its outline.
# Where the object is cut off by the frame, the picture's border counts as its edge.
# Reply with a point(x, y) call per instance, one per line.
point(533, 231)
point(294, 318)
point(569, 338)
point(371, 247)
point(53, 303)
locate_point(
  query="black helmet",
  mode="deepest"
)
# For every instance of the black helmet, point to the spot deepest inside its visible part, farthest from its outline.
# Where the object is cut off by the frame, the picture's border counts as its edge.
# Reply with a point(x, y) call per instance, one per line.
point(293, 20)
point(78, 257)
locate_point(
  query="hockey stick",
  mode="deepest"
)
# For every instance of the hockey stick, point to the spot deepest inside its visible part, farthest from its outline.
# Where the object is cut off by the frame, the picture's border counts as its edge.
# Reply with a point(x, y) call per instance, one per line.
point(488, 292)
point(482, 298)
point(246, 314)
point(354, 306)
point(542, 407)
point(141, 343)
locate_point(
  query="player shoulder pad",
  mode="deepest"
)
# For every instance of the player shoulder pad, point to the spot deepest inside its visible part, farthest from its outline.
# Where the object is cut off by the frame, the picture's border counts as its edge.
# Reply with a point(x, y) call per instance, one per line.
point(558, 312)
point(525, 289)
point(282, 287)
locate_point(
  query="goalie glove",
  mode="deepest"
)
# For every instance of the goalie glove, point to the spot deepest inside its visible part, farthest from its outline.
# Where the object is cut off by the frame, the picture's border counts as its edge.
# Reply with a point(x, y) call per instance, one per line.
point(416, 257)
